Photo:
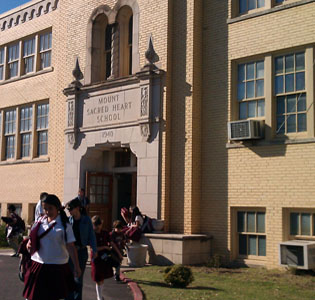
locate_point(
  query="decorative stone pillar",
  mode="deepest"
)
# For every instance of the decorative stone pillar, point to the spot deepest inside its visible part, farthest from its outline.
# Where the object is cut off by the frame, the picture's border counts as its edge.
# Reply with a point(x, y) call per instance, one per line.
point(114, 52)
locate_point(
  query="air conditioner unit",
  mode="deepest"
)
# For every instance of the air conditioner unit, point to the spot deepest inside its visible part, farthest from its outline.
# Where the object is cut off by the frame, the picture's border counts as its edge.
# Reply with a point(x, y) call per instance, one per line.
point(297, 253)
point(245, 130)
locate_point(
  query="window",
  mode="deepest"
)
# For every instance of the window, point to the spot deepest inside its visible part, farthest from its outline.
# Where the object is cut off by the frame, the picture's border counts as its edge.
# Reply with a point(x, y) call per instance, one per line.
point(247, 5)
point(302, 224)
point(130, 33)
point(9, 132)
point(42, 128)
point(1, 63)
point(45, 50)
point(279, 1)
point(26, 131)
point(250, 90)
point(251, 233)
point(108, 50)
point(13, 60)
point(290, 93)
point(29, 55)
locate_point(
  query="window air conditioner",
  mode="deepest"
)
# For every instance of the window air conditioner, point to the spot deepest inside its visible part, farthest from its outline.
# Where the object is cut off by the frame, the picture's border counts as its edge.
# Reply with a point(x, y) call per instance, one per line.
point(297, 253)
point(245, 130)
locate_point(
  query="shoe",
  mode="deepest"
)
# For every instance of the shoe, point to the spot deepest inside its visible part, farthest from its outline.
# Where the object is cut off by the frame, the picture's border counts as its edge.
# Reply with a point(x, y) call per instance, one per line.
point(15, 255)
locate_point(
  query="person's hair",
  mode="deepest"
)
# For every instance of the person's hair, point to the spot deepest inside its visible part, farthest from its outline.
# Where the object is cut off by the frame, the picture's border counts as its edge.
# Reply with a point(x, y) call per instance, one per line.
point(43, 195)
point(54, 200)
point(77, 203)
point(135, 212)
point(117, 224)
point(12, 207)
point(96, 220)
point(82, 189)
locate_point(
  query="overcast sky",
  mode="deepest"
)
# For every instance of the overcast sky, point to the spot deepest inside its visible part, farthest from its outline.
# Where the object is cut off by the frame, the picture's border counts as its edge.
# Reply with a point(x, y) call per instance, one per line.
point(6, 5)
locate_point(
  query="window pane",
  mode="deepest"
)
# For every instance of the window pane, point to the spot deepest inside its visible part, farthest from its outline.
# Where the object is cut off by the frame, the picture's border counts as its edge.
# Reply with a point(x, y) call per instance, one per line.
point(251, 4)
point(261, 222)
point(261, 108)
point(242, 242)
point(252, 239)
point(260, 69)
point(280, 125)
point(241, 91)
point(280, 105)
point(259, 88)
point(301, 102)
point(262, 246)
point(241, 73)
point(241, 221)
point(299, 62)
point(243, 110)
point(1, 56)
point(260, 3)
point(250, 71)
point(289, 83)
point(291, 123)
point(252, 109)
point(301, 122)
point(243, 6)
point(294, 223)
point(279, 65)
point(300, 81)
point(306, 224)
point(250, 222)
point(250, 89)
point(291, 104)
point(279, 84)
point(289, 63)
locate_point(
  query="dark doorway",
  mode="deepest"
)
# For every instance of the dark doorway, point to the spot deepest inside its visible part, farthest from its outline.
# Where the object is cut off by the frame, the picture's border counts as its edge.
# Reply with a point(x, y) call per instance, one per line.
point(124, 192)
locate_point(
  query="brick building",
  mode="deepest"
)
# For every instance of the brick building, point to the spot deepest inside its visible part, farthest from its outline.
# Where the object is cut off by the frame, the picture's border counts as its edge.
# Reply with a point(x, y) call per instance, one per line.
point(131, 100)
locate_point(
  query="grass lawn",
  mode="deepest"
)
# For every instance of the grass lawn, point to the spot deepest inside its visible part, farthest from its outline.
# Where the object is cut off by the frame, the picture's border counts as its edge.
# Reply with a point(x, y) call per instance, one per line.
point(227, 284)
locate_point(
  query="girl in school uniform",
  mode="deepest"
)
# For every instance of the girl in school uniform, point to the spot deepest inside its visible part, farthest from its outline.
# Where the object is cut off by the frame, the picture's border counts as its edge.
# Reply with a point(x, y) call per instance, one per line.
point(108, 256)
point(49, 276)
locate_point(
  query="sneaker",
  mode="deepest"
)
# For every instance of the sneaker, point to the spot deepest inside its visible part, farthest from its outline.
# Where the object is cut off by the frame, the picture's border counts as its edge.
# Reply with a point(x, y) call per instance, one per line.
point(15, 255)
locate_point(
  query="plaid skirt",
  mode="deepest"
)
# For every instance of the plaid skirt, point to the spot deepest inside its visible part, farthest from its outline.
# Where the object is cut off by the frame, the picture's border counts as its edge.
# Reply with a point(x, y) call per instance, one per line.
point(47, 281)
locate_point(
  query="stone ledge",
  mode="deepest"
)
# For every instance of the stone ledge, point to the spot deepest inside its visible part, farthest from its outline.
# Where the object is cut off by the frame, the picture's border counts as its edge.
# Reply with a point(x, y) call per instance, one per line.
point(174, 236)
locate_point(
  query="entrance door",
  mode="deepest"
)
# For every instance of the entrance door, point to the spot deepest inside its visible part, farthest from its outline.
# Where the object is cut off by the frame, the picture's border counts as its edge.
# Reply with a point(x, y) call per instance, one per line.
point(99, 191)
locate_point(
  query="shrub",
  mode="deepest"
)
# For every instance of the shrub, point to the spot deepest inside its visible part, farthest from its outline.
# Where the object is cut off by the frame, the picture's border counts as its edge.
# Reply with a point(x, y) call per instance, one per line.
point(215, 261)
point(3, 240)
point(178, 276)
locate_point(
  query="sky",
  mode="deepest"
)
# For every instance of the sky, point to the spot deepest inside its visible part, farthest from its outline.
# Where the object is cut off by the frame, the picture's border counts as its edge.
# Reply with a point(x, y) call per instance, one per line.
point(6, 5)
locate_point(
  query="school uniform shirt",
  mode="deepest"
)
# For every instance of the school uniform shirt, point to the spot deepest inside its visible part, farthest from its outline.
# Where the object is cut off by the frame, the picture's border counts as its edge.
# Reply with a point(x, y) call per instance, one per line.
point(53, 248)
point(139, 219)
point(39, 211)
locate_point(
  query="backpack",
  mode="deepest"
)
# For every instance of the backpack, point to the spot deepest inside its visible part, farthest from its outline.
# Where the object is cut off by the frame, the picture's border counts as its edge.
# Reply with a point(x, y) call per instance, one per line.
point(20, 224)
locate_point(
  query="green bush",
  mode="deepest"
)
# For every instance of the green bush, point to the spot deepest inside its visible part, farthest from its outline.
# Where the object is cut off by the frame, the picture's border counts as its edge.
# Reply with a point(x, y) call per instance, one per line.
point(3, 240)
point(178, 276)
point(215, 261)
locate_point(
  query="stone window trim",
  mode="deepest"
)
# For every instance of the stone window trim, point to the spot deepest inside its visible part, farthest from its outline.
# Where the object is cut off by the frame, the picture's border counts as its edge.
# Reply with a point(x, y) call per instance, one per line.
point(271, 6)
point(120, 64)
point(257, 234)
point(33, 155)
point(271, 135)
point(22, 72)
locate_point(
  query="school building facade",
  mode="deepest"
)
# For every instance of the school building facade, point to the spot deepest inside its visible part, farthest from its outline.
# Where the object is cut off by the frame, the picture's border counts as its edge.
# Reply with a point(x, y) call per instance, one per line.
point(154, 103)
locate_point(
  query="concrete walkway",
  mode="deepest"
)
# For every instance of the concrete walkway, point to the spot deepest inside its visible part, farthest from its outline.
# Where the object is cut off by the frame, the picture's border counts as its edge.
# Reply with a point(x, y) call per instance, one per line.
point(11, 287)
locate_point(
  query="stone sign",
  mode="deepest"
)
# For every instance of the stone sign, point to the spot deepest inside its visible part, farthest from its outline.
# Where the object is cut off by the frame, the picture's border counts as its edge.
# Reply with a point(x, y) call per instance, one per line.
point(112, 109)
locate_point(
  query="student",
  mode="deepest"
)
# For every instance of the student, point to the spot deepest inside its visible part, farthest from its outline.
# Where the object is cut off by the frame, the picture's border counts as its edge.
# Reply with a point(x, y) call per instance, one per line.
point(49, 276)
point(85, 202)
point(134, 231)
point(119, 240)
point(84, 235)
point(39, 211)
point(102, 265)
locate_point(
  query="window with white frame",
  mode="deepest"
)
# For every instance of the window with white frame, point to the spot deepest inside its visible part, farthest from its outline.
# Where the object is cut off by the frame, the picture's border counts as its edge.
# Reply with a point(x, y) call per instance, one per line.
point(45, 50)
point(247, 5)
point(42, 128)
point(250, 90)
point(29, 55)
point(26, 130)
point(302, 224)
point(1, 63)
point(9, 133)
point(290, 93)
point(13, 59)
point(251, 233)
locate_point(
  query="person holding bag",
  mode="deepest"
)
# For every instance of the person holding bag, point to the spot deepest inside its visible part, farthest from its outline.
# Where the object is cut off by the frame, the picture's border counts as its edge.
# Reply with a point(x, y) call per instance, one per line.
point(51, 243)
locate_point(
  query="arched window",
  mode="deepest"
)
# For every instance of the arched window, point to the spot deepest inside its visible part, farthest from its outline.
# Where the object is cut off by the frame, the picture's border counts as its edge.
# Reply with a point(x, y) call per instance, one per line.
point(125, 25)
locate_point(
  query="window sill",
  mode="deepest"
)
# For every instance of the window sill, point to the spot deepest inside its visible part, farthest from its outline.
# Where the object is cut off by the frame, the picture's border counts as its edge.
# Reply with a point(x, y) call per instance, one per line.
point(25, 161)
point(263, 143)
point(29, 75)
point(276, 8)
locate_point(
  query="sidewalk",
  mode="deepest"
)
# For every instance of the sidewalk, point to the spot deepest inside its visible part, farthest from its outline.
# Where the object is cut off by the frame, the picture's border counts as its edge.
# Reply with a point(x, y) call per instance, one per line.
point(9, 270)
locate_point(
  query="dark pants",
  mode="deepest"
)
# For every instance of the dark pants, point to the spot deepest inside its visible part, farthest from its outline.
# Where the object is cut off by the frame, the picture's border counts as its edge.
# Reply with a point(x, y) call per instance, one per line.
point(83, 257)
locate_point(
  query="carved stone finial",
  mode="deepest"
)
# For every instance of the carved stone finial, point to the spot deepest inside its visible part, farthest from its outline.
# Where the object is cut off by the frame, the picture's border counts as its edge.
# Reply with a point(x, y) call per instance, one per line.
point(151, 55)
point(77, 74)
